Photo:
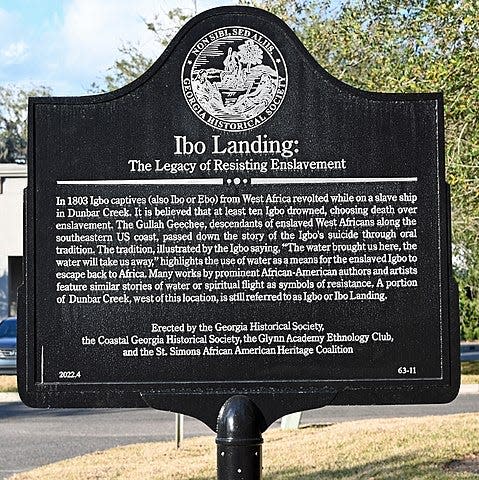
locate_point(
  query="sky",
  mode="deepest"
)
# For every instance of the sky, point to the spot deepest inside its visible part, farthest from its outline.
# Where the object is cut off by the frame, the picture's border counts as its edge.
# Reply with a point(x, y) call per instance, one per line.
point(69, 44)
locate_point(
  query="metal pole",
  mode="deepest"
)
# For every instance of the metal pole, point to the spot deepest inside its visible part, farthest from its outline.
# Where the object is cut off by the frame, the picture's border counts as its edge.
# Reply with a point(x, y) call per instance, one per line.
point(179, 423)
point(239, 440)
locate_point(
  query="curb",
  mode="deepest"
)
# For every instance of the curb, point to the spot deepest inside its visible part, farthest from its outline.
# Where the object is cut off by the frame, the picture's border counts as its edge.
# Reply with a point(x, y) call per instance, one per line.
point(9, 397)
point(467, 389)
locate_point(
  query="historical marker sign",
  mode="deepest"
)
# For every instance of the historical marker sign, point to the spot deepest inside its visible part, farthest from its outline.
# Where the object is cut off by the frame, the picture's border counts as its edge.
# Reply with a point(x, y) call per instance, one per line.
point(237, 221)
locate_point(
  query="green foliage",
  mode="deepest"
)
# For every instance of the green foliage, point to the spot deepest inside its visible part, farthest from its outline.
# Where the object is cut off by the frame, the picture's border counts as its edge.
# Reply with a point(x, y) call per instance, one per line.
point(131, 64)
point(391, 46)
point(469, 306)
point(13, 121)
point(412, 46)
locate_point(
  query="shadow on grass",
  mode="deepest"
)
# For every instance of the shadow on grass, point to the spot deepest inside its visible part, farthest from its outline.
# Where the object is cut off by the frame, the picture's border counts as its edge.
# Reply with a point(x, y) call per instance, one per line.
point(399, 467)
point(470, 368)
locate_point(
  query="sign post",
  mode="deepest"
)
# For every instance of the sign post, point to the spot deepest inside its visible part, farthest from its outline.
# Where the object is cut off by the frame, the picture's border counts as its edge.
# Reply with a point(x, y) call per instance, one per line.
point(239, 440)
point(237, 234)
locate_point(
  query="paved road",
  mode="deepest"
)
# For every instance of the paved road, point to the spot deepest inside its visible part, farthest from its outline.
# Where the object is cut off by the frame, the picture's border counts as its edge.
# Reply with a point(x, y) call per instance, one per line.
point(33, 437)
point(29, 438)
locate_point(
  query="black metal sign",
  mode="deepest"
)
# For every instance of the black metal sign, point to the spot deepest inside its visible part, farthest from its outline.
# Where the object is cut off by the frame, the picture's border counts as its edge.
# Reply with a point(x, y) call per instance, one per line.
point(237, 221)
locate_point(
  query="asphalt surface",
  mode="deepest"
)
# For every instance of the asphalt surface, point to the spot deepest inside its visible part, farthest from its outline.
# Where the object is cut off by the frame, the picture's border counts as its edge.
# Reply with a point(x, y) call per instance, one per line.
point(33, 437)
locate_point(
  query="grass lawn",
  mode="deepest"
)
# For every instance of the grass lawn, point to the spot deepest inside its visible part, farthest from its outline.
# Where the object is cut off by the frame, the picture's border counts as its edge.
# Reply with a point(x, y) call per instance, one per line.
point(8, 383)
point(405, 449)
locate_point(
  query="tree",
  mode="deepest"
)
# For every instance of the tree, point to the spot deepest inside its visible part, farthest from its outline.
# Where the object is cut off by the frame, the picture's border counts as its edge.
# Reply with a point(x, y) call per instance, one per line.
point(401, 46)
point(13, 121)
point(132, 62)
point(412, 46)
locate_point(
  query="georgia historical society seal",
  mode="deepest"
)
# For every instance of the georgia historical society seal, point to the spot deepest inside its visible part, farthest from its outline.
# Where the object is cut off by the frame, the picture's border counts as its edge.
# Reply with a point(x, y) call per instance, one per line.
point(234, 79)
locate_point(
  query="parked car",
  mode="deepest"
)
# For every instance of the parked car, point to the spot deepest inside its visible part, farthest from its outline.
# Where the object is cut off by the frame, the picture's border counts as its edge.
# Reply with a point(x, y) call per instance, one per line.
point(469, 352)
point(8, 346)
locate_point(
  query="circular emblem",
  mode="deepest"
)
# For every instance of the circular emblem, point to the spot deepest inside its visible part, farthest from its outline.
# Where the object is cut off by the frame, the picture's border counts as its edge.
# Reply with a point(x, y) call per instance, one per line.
point(234, 79)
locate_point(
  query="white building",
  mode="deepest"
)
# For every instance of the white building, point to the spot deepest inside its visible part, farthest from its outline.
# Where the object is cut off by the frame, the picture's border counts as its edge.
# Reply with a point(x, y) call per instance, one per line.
point(13, 180)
